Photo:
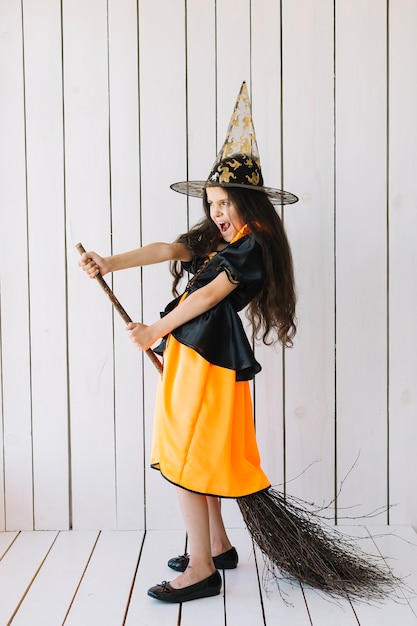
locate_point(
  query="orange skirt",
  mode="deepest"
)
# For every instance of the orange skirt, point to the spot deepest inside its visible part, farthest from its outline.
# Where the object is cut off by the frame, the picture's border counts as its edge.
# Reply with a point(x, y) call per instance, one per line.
point(204, 434)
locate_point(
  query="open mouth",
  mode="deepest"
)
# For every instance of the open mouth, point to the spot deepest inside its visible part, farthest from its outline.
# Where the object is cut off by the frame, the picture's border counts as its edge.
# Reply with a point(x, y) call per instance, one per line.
point(224, 226)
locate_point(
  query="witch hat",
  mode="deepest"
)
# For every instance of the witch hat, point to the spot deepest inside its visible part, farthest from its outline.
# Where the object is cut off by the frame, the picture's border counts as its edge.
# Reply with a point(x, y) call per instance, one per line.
point(237, 164)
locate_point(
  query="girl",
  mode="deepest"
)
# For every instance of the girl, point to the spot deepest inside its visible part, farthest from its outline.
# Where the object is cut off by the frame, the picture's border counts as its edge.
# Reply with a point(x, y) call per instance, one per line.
point(204, 440)
point(204, 437)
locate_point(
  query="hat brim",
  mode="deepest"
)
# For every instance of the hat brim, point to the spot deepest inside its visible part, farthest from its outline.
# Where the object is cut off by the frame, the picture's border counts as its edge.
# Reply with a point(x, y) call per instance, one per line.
point(196, 189)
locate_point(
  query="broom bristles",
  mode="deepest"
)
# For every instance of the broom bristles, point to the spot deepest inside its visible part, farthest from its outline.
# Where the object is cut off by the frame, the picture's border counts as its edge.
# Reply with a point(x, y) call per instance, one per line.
point(295, 541)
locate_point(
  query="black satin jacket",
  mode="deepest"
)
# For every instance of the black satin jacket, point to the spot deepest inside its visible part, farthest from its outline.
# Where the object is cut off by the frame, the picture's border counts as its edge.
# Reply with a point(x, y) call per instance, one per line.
point(218, 334)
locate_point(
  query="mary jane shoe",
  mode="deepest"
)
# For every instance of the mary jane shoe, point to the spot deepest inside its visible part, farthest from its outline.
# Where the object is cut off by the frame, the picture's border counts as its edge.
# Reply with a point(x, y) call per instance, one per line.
point(226, 560)
point(205, 588)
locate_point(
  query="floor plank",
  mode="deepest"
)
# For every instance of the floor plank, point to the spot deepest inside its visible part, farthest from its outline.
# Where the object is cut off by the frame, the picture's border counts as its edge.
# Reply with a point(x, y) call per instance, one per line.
point(326, 611)
point(19, 567)
point(242, 592)
point(53, 589)
point(103, 595)
point(210, 611)
point(6, 539)
point(399, 546)
point(284, 604)
point(158, 547)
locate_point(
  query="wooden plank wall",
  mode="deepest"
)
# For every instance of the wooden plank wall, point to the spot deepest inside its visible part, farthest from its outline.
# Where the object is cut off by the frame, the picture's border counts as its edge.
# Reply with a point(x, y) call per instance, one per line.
point(103, 104)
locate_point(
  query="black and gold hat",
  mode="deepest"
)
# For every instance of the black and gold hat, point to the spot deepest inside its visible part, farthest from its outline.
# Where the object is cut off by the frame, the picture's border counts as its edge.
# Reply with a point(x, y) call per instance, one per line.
point(237, 163)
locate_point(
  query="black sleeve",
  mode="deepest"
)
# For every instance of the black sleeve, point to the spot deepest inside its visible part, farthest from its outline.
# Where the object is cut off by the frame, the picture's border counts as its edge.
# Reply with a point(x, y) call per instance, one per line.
point(243, 263)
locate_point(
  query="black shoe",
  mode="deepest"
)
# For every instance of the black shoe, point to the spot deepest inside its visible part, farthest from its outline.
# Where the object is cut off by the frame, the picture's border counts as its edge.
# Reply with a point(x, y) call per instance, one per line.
point(208, 587)
point(227, 560)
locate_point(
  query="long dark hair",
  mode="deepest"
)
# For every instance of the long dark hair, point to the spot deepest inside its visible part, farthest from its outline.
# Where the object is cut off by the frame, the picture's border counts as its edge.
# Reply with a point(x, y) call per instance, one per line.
point(272, 310)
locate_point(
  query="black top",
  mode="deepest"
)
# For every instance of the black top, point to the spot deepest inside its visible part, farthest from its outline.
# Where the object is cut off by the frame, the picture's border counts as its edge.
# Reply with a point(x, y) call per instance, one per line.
point(218, 334)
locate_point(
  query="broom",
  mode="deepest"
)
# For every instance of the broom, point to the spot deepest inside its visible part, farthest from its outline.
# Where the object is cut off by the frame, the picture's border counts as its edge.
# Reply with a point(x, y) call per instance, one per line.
point(294, 542)
point(297, 546)
point(118, 307)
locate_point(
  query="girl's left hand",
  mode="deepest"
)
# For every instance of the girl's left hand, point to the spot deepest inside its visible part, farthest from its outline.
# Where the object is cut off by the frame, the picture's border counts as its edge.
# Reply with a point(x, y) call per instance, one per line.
point(141, 335)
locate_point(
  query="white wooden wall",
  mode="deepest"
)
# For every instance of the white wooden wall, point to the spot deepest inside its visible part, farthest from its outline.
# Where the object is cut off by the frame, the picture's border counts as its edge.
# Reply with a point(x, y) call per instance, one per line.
point(103, 104)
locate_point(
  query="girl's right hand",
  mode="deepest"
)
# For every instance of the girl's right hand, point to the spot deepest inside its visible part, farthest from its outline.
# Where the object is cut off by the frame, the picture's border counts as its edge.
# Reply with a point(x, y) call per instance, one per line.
point(92, 264)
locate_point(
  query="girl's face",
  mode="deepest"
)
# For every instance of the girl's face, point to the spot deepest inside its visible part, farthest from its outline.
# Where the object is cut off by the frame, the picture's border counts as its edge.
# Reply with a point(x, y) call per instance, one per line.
point(224, 212)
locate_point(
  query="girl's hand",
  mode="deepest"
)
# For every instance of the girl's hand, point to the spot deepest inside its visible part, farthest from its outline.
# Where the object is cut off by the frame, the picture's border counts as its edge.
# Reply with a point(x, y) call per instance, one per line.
point(141, 335)
point(92, 264)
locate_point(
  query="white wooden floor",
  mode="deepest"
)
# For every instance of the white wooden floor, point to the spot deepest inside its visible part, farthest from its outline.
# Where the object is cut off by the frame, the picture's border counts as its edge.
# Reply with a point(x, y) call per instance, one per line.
point(90, 578)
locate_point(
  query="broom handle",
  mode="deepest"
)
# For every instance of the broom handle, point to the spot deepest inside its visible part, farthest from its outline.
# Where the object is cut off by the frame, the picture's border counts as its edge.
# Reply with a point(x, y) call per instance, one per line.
point(150, 353)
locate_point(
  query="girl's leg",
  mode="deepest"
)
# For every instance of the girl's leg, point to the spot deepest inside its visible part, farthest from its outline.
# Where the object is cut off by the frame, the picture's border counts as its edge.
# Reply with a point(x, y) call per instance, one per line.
point(219, 541)
point(194, 510)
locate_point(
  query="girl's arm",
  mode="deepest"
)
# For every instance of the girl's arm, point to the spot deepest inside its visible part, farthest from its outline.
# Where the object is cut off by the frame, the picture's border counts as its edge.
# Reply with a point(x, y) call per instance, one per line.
point(92, 263)
point(195, 304)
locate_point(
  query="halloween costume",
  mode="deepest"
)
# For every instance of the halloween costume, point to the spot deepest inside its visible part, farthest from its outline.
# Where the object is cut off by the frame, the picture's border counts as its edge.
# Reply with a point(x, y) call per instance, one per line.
point(204, 434)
